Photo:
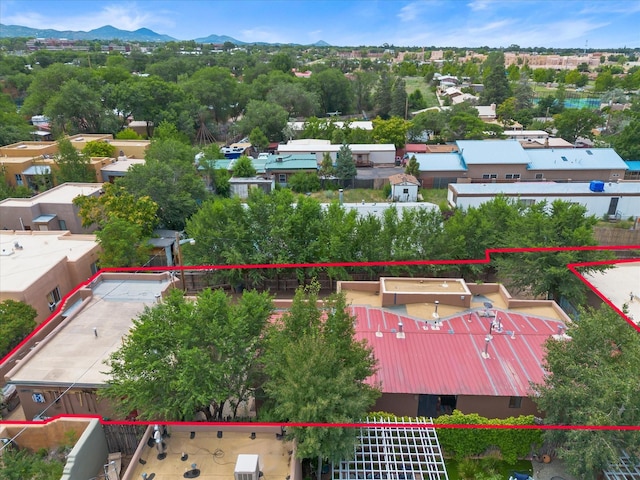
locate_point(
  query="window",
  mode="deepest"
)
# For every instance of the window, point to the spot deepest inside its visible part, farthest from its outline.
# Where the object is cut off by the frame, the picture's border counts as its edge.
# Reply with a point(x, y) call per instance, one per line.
point(615, 175)
point(94, 268)
point(63, 225)
point(405, 191)
point(515, 402)
point(488, 176)
point(53, 298)
point(539, 176)
point(526, 202)
point(282, 178)
point(512, 176)
point(19, 180)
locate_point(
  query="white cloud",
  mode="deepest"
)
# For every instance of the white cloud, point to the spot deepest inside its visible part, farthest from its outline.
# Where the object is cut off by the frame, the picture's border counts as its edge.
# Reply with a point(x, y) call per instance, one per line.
point(413, 10)
point(125, 17)
point(478, 5)
point(604, 8)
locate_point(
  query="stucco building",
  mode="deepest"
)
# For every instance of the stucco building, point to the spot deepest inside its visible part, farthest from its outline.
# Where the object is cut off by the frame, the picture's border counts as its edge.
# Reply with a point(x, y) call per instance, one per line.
point(40, 268)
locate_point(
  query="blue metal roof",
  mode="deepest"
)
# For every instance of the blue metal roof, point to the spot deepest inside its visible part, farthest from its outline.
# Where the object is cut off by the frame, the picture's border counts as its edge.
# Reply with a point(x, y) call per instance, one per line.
point(575, 159)
point(633, 165)
point(480, 152)
point(436, 162)
point(296, 161)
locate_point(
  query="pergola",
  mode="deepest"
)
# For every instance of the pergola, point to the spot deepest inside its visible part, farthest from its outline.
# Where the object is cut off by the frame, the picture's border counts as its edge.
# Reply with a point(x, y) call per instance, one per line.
point(625, 469)
point(394, 450)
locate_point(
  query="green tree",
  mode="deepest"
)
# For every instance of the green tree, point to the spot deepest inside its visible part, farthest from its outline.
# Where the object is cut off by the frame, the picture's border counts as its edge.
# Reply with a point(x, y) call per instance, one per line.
point(333, 90)
point(393, 131)
point(77, 107)
point(23, 464)
point(413, 167)
point(182, 355)
point(399, 99)
point(258, 139)
point(18, 320)
point(604, 81)
point(282, 61)
point(117, 202)
point(316, 372)
point(303, 182)
point(506, 111)
point(170, 179)
point(123, 244)
point(295, 99)
point(71, 165)
point(382, 95)
point(345, 166)
point(269, 117)
point(98, 148)
point(559, 224)
point(214, 88)
point(13, 127)
point(326, 167)
point(243, 168)
point(591, 382)
point(573, 123)
point(627, 142)
point(128, 134)
point(496, 84)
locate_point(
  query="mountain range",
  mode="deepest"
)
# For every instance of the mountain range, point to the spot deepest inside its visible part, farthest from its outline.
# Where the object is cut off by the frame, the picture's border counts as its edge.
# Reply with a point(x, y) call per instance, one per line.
point(109, 32)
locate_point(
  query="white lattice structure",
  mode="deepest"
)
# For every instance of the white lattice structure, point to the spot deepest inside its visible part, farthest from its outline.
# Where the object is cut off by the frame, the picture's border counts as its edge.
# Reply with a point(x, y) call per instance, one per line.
point(394, 450)
point(625, 469)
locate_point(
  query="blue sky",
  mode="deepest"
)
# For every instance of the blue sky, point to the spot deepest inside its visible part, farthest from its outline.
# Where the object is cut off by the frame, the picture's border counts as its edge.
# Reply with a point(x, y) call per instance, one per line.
point(458, 23)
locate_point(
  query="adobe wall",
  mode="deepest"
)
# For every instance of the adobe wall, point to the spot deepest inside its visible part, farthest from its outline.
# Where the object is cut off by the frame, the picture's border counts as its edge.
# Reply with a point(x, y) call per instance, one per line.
point(401, 404)
point(88, 455)
point(53, 434)
point(494, 407)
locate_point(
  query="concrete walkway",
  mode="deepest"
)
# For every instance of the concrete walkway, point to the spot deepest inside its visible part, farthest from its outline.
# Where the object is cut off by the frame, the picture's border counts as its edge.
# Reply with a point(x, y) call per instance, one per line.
point(551, 471)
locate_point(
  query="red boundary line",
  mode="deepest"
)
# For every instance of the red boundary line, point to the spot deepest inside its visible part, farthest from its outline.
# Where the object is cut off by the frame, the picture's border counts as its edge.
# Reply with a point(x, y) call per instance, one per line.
point(573, 267)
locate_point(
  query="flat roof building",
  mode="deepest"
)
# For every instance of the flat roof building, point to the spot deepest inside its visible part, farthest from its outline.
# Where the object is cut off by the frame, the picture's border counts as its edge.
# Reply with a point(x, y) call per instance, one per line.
point(40, 268)
point(71, 358)
point(50, 210)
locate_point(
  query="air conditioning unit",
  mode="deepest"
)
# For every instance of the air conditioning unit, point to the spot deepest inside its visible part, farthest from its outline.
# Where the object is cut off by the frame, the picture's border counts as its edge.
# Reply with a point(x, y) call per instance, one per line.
point(247, 467)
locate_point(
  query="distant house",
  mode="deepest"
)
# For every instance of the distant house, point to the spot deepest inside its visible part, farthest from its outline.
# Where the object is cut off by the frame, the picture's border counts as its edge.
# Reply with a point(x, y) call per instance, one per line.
point(499, 161)
point(404, 188)
point(612, 199)
point(364, 154)
point(50, 210)
point(40, 268)
point(281, 167)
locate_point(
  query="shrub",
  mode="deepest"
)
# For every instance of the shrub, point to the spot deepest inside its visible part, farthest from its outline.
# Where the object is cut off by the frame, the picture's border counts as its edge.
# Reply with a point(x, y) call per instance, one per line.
point(302, 182)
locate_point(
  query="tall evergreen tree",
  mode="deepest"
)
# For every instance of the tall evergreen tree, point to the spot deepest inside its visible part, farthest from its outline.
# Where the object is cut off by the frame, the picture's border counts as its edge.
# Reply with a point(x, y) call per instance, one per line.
point(496, 84)
point(399, 99)
point(382, 95)
point(345, 166)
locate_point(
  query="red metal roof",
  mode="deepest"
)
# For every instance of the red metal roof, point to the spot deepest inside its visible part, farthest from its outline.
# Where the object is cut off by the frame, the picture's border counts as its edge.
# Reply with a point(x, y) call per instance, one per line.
point(449, 361)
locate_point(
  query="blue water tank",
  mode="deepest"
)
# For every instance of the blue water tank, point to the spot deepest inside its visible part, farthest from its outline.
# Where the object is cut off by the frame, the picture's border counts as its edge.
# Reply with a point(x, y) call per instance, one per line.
point(596, 186)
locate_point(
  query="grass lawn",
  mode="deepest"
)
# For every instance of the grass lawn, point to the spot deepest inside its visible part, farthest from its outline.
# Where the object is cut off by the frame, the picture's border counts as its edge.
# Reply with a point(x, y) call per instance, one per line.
point(351, 195)
point(505, 469)
point(434, 195)
point(415, 83)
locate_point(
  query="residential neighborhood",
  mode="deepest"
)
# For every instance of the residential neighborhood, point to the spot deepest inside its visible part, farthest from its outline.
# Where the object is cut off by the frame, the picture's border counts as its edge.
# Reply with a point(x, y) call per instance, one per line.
point(316, 261)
